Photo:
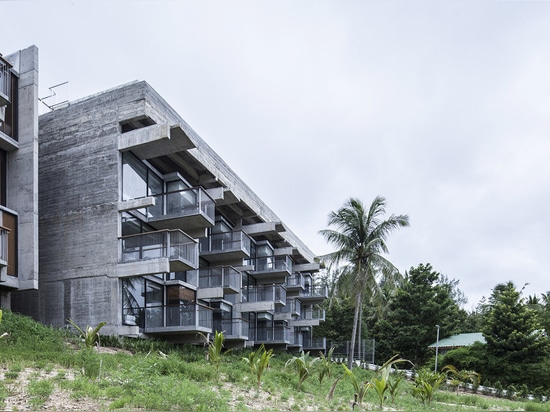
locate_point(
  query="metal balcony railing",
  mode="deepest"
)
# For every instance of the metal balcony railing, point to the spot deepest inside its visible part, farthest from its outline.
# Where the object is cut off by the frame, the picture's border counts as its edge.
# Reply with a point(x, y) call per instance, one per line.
point(186, 202)
point(5, 81)
point(314, 313)
point(223, 276)
point(271, 264)
point(296, 338)
point(189, 276)
point(232, 328)
point(272, 334)
point(314, 343)
point(315, 291)
point(271, 293)
point(187, 316)
point(295, 280)
point(292, 306)
point(171, 244)
point(224, 242)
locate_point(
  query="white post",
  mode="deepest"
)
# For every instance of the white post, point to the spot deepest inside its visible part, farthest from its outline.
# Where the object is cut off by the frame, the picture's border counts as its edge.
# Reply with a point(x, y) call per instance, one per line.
point(436, 348)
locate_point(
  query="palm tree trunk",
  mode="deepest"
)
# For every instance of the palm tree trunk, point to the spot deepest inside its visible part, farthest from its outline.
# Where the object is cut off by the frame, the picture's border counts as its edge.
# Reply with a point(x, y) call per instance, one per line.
point(354, 330)
point(359, 334)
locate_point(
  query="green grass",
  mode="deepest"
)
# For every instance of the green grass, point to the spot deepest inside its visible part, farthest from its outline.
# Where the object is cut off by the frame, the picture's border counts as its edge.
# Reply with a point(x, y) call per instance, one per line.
point(158, 376)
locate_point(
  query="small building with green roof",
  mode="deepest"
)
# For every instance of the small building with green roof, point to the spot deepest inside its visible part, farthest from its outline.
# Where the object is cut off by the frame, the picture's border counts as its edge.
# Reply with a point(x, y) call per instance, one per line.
point(457, 341)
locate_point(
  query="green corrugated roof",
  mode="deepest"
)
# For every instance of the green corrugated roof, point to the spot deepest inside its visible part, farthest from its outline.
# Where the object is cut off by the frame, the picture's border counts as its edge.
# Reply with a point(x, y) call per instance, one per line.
point(462, 339)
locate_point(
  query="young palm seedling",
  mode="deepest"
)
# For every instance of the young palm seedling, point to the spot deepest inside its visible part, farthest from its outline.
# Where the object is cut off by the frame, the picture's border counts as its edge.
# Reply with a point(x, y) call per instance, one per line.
point(303, 365)
point(380, 382)
point(215, 350)
point(426, 384)
point(325, 368)
point(258, 362)
point(90, 336)
point(461, 378)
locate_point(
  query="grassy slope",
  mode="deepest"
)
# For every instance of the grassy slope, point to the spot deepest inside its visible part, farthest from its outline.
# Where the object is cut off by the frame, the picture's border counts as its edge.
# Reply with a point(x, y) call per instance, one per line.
point(151, 375)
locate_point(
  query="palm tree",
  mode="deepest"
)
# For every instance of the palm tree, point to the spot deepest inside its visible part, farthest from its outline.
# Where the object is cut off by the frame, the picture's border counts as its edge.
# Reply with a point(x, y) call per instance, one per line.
point(360, 238)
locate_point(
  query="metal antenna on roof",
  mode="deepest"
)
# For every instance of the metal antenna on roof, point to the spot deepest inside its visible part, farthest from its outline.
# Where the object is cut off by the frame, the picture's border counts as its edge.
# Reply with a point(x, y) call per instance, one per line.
point(55, 105)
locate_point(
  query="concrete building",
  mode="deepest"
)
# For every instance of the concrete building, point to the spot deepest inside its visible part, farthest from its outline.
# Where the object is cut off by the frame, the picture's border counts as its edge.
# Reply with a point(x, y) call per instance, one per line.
point(142, 225)
point(18, 173)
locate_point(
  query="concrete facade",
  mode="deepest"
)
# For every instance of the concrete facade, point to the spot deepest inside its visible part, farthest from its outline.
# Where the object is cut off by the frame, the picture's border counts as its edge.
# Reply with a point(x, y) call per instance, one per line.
point(19, 174)
point(142, 225)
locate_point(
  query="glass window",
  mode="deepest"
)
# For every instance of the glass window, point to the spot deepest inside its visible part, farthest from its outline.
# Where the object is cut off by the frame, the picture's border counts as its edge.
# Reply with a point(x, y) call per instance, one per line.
point(133, 301)
point(264, 250)
point(176, 185)
point(134, 177)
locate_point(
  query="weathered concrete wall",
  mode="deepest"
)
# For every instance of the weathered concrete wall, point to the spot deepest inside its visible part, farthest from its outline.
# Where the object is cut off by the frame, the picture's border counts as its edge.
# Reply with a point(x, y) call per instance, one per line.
point(22, 177)
point(79, 220)
point(79, 196)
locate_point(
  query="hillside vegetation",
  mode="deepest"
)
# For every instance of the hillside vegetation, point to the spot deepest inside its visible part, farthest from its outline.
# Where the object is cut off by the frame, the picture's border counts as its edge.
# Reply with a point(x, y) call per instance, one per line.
point(49, 369)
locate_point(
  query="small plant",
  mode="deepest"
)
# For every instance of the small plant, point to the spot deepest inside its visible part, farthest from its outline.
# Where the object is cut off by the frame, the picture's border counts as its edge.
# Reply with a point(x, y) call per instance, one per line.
point(380, 382)
point(426, 384)
point(325, 368)
point(303, 365)
point(393, 384)
point(215, 349)
point(91, 335)
point(258, 362)
point(359, 387)
point(461, 378)
point(11, 375)
point(39, 392)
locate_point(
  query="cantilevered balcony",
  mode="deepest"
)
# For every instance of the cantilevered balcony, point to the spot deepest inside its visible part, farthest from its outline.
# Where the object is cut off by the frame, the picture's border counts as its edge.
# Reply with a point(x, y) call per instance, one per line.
point(296, 281)
point(310, 316)
point(290, 311)
point(270, 293)
point(262, 298)
point(314, 344)
point(174, 245)
point(229, 246)
point(170, 319)
point(314, 294)
point(5, 82)
point(186, 278)
point(217, 282)
point(192, 209)
point(273, 269)
point(296, 339)
point(233, 329)
point(271, 335)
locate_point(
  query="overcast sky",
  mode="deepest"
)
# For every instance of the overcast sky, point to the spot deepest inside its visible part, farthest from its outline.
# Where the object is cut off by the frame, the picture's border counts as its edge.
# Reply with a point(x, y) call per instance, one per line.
point(441, 107)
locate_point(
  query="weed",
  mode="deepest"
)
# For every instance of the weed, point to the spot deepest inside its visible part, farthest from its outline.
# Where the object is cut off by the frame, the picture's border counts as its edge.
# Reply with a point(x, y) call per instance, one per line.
point(11, 375)
point(39, 392)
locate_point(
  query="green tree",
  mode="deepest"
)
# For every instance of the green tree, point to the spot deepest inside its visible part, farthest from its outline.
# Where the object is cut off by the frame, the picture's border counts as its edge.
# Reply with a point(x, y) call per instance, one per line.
point(512, 329)
point(545, 315)
point(359, 236)
point(517, 345)
point(424, 300)
point(338, 321)
point(542, 307)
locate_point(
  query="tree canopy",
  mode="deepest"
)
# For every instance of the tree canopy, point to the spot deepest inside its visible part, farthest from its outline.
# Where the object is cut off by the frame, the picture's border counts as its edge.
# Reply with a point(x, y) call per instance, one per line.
point(359, 235)
point(424, 300)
